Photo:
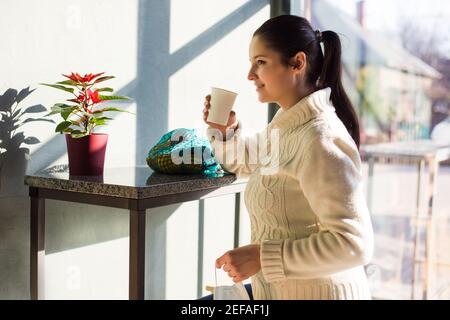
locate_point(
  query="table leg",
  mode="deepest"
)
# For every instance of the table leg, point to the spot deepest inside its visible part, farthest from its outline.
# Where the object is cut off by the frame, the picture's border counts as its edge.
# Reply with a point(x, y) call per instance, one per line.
point(416, 224)
point(433, 168)
point(200, 246)
point(237, 218)
point(137, 255)
point(371, 161)
point(37, 246)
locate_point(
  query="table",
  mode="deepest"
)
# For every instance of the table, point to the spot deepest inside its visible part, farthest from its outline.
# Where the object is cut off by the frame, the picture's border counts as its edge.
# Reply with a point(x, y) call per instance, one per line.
point(133, 188)
point(421, 152)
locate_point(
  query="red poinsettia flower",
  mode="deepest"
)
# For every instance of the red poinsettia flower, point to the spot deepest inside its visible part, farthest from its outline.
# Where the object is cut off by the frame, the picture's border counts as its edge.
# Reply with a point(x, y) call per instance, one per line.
point(80, 98)
point(93, 95)
point(86, 78)
point(80, 117)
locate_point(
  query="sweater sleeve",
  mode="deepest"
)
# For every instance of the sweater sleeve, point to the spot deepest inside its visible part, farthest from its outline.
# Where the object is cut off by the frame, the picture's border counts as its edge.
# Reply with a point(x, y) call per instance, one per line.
point(237, 154)
point(330, 177)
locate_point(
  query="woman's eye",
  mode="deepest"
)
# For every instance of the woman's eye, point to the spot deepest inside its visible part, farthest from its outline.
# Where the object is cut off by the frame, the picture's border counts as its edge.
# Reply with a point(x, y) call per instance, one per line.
point(260, 62)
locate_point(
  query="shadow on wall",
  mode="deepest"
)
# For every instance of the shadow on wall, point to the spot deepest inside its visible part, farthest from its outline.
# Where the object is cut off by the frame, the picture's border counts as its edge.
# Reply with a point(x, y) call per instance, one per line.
point(13, 153)
point(14, 222)
point(151, 91)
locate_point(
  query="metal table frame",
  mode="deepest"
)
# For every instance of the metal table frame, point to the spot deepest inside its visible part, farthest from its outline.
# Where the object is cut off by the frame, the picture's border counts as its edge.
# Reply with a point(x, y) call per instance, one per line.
point(137, 212)
point(428, 154)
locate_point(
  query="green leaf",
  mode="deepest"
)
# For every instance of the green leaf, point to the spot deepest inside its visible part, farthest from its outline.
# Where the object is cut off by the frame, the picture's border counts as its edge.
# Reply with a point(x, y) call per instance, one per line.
point(105, 89)
point(99, 121)
point(51, 113)
point(98, 113)
point(62, 126)
point(104, 118)
point(57, 86)
point(60, 108)
point(69, 83)
point(66, 112)
point(112, 109)
point(101, 79)
point(107, 98)
point(31, 140)
point(77, 122)
point(76, 133)
point(61, 105)
point(79, 135)
point(72, 130)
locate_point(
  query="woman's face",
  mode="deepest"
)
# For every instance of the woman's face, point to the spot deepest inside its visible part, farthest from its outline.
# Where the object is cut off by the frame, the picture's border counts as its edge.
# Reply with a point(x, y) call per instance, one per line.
point(273, 80)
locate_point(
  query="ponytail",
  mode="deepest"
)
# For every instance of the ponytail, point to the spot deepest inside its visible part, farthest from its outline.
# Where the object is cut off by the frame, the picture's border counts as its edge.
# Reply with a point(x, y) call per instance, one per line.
point(330, 76)
point(288, 34)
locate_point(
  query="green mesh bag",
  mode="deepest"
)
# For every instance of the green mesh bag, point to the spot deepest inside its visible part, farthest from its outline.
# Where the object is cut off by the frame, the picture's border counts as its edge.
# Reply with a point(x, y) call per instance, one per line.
point(183, 151)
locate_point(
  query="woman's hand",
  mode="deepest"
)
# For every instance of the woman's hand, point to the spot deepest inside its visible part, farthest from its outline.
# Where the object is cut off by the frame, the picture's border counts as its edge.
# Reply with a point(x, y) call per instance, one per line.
point(241, 263)
point(232, 120)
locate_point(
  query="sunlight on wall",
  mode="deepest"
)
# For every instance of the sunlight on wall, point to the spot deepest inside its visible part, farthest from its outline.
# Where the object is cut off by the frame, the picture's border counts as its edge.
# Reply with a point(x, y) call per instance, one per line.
point(60, 35)
point(40, 40)
point(225, 65)
point(181, 252)
point(54, 37)
point(97, 271)
point(184, 22)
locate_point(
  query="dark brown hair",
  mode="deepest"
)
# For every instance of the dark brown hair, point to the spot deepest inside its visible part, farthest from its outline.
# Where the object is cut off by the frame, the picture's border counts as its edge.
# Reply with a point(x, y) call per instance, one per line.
point(288, 35)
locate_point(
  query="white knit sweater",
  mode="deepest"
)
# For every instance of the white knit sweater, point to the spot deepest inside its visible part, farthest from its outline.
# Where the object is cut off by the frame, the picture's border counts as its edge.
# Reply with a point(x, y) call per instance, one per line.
point(306, 204)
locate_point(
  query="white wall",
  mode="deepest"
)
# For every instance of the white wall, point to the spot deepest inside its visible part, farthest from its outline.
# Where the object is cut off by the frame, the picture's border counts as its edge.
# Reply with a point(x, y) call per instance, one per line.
point(165, 55)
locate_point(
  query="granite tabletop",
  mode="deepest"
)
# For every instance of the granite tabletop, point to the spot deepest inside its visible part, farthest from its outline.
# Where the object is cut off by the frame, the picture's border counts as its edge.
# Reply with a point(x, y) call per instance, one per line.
point(417, 148)
point(138, 182)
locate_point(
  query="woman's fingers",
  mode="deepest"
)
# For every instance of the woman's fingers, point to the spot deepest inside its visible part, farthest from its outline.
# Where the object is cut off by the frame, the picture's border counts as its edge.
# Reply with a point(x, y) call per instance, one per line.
point(205, 111)
point(227, 268)
point(235, 275)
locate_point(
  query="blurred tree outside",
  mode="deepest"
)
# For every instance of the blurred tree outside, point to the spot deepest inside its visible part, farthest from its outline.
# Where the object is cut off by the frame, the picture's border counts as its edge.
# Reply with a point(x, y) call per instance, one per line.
point(426, 37)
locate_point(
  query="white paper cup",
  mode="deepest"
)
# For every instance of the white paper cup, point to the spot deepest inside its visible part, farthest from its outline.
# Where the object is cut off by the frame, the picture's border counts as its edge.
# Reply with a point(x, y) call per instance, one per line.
point(222, 102)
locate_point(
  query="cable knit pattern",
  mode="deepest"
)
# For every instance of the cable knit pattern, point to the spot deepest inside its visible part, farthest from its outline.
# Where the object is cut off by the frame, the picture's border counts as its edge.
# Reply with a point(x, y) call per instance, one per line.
point(309, 214)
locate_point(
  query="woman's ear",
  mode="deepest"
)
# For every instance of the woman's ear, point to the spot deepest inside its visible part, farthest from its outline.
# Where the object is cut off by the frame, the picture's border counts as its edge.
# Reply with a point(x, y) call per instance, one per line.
point(299, 62)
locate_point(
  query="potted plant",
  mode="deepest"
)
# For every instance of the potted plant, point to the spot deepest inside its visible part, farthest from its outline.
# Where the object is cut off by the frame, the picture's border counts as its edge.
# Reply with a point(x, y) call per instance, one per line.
point(81, 114)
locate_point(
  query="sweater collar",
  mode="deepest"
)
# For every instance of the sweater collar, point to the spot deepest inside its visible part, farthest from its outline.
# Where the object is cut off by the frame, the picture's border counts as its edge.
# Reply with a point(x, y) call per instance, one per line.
point(304, 110)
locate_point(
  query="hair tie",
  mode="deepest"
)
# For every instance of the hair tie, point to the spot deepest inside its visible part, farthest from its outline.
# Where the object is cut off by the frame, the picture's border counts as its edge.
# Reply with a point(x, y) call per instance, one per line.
point(318, 35)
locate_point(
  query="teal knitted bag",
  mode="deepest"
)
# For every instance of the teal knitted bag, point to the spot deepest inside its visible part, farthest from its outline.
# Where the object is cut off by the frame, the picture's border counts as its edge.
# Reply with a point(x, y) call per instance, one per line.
point(183, 151)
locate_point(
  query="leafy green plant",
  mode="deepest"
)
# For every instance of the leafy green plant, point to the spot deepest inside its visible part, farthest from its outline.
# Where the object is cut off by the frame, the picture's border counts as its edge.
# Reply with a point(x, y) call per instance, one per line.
point(83, 112)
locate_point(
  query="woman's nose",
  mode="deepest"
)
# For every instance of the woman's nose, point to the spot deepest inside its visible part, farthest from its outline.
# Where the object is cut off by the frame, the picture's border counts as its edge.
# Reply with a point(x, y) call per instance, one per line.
point(251, 75)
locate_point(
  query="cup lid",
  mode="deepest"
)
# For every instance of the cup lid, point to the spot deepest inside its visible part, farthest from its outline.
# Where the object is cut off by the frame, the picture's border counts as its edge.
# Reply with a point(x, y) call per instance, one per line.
point(223, 90)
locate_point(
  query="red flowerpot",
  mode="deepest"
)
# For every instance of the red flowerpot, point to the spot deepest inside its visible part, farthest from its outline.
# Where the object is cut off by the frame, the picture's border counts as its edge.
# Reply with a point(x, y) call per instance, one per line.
point(86, 154)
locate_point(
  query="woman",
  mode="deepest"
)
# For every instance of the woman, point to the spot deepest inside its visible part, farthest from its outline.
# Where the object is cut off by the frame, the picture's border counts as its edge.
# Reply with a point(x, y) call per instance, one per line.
point(311, 229)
